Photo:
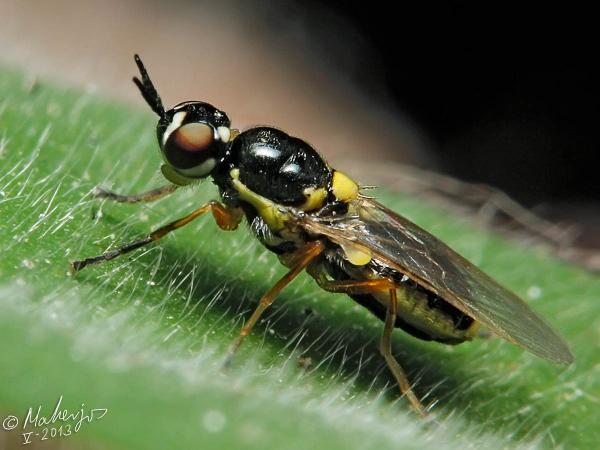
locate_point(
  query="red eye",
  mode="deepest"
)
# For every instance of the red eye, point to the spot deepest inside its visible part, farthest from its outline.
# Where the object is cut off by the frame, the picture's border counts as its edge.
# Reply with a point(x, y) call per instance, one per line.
point(190, 145)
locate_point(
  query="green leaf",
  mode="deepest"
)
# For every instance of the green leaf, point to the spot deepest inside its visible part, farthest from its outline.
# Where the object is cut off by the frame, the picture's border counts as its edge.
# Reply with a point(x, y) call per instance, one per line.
point(143, 336)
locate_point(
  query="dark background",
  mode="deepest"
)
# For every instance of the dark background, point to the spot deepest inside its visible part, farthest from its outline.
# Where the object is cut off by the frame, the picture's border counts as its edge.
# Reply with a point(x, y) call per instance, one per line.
point(499, 94)
point(508, 97)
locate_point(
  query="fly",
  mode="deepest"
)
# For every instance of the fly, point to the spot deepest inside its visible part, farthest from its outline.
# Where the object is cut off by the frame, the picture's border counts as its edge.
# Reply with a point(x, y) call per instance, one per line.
point(315, 219)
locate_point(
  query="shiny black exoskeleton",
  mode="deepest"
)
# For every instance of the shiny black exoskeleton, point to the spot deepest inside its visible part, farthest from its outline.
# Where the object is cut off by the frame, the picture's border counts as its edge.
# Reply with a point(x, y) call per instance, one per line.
point(277, 166)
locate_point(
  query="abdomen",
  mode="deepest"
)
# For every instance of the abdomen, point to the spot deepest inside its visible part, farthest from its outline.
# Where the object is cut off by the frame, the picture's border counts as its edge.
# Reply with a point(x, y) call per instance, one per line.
point(421, 313)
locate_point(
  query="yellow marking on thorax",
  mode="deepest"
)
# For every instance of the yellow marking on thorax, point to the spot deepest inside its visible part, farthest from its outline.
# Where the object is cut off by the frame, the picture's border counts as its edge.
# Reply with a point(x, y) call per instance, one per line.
point(315, 198)
point(268, 210)
point(343, 187)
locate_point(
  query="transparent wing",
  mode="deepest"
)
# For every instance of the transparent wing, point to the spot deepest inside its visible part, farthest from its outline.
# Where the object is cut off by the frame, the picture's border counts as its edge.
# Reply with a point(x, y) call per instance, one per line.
point(400, 244)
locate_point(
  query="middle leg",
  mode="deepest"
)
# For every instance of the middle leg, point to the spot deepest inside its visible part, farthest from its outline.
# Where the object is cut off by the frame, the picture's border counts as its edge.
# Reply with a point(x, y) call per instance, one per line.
point(301, 259)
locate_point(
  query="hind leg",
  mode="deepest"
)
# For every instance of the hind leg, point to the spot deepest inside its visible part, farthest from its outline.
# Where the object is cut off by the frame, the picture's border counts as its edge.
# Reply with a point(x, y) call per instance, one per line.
point(385, 344)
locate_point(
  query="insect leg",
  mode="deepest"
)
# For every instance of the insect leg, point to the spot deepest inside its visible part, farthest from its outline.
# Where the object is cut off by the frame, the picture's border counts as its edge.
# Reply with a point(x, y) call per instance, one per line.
point(302, 258)
point(227, 219)
point(385, 347)
point(355, 286)
point(148, 196)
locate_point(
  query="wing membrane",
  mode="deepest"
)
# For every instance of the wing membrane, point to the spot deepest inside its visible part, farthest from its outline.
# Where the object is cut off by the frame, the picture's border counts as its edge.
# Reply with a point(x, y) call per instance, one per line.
point(404, 246)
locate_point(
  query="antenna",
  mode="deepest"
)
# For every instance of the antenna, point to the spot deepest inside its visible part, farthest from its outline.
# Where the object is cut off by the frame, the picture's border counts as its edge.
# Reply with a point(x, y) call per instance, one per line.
point(147, 89)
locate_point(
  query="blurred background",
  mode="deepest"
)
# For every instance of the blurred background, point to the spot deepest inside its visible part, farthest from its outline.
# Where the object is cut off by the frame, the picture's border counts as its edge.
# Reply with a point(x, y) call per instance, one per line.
point(508, 98)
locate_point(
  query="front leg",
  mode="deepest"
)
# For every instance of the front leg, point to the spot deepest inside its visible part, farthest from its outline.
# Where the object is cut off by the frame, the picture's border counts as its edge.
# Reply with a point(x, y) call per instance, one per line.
point(226, 218)
point(148, 196)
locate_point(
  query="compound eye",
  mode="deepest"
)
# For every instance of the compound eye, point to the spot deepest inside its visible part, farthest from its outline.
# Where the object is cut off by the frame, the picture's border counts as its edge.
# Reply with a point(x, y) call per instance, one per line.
point(193, 137)
point(189, 147)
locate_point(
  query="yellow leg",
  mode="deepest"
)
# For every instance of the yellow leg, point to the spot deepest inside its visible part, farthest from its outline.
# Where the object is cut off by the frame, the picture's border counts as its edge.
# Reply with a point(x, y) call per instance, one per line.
point(356, 286)
point(302, 258)
point(385, 347)
point(226, 219)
